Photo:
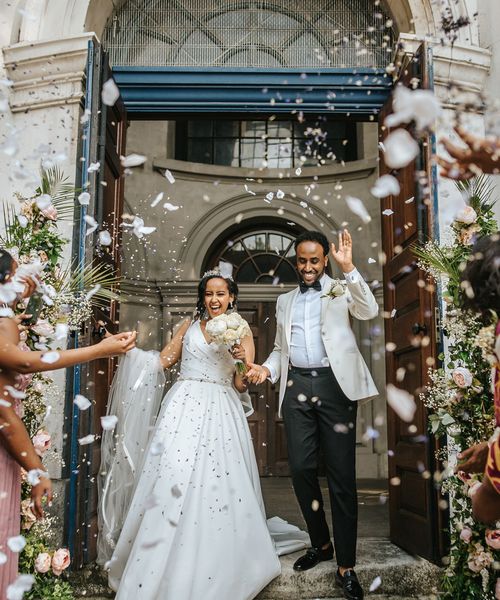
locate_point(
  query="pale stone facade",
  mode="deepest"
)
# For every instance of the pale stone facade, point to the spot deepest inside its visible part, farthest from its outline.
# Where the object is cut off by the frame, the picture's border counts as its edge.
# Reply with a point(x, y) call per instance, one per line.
point(44, 53)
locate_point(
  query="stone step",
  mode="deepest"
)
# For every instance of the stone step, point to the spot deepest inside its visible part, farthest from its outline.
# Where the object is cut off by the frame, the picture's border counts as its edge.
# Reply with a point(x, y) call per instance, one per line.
point(403, 577)
point(401, 574)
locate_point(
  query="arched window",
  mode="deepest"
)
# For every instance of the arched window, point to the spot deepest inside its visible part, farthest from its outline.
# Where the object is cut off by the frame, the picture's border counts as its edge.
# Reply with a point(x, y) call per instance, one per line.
point(250, 33)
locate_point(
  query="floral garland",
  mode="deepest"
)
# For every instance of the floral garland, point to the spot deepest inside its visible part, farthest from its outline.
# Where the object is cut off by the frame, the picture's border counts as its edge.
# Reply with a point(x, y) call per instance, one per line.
point(31, 236)
point(459, 398)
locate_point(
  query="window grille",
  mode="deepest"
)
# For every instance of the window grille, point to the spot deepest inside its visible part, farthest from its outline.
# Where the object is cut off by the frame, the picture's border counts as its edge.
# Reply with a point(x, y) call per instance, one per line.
point(306, 34)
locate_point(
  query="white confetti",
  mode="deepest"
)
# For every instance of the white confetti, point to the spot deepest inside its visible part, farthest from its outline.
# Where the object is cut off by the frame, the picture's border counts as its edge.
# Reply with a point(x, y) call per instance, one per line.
point(61, 331)
point(110, 92)
point(50, 357)
point(280, 194)
point(88, 439)
point(33, 476)
point(82, 402)
point(376, 583)
point(371, 261)
point(94, 167)
point(388, 212)
point(16, 543)
point(401, 402)
point(157, 200)
point(400, 149)
point(14, 392)
point(3, 558)
point(298, 171)
point(170, 207)
point(5, 403)
point(133, 160)
point(387, 185)
point(105, 238)
point(225, 268)
point(93, 224)
point(108, 423)
point(22, 220)
point(356, 206)
point(23, 584)
point(93, 291)
point(249, 191)
point(269, 196)
point(169, 176)
point(44, 201)
point(419, 105)
point(84, 198)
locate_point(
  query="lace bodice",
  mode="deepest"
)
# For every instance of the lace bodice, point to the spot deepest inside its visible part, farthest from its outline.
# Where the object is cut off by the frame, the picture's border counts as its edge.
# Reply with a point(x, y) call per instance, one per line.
point(202, 361)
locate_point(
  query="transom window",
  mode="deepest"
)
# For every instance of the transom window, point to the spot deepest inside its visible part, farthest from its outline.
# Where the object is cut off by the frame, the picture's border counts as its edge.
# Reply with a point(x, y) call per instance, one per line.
point(262, 256)
point(266, 143)
point(250, 33)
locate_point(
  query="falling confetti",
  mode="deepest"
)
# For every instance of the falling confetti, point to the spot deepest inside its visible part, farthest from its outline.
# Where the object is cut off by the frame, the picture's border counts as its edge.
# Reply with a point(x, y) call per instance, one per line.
point(84, 198)
point(357, 207)
point(375, 584)
point(16, 543)
point(400, 149)
point(88, 439)
point(419, 105)
point(133, 160)
point(108, 423)
point(401, 402)
point(110, 92)
point(169, 176)
point(387, 185)
point(82, 402)
point(50, 357)
point(105, 238)
point(170, 207)
point(157, 200)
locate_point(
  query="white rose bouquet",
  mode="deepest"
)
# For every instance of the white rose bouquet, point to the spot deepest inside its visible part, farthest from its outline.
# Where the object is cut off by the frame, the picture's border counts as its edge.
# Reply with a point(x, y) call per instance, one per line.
point(228, 330)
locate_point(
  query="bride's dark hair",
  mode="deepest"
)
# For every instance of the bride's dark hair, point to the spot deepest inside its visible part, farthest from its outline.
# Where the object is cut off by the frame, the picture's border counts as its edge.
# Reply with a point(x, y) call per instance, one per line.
point(6, 264)
point(202, 288)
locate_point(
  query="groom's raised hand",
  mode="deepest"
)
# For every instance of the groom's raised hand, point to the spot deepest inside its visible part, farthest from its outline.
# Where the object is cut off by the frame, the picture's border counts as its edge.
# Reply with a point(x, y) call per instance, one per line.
point(343, 256)
point(256, 373)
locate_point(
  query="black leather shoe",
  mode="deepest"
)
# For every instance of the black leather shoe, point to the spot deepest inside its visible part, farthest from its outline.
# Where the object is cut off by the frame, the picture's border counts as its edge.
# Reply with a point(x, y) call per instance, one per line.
point(312, 557)
point(349, 584)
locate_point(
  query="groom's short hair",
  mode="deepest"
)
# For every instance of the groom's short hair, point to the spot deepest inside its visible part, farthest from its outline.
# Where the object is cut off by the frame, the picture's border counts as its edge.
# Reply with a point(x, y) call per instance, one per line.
point(313, 236)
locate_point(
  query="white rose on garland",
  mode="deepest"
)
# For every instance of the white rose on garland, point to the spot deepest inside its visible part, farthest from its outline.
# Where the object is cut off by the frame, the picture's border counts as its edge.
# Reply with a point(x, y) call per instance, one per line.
point(462, 377)
point(466, 215)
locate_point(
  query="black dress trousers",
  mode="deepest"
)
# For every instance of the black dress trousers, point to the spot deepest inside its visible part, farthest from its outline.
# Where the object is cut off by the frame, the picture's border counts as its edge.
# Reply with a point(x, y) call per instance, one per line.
point(318, 415)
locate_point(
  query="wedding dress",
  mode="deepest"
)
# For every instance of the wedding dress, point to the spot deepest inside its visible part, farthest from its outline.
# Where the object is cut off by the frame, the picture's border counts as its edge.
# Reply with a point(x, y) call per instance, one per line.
point(195, 526)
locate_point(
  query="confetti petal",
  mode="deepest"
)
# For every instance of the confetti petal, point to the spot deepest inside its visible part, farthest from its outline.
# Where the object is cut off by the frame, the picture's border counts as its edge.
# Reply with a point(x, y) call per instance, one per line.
point(105, 238)
point(50, 357)
point(375, 584)
point(82, 402)
point(387, 185)
point(401, 402)
point(400, 149)
point(356, 206)
point(133, 160)
point(108, 423)
point(84, 198)
point(170, 207)
point(16, 543)
point(420, 106)
point(88, 439)
point(157, 200)
point(169, 176)
point(110, 92)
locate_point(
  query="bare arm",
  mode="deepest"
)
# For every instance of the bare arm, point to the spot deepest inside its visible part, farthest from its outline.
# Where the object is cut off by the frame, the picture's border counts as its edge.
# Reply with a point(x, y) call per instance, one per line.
point(17, 442)
point(14, 359)
point(248, 347)
point(173, 350)
point(486, 503)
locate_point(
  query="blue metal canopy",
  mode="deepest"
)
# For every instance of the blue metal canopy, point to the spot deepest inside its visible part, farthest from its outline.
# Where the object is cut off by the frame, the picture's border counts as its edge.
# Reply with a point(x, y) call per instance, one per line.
point(360, 91)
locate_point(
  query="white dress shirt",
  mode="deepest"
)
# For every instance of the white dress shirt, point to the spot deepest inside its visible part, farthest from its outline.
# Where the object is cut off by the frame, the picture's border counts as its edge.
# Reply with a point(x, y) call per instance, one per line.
point(306, 344)
point(307, 350)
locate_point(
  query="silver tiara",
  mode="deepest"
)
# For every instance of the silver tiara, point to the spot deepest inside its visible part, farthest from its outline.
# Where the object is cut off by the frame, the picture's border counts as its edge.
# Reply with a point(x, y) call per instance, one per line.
point(224, 270)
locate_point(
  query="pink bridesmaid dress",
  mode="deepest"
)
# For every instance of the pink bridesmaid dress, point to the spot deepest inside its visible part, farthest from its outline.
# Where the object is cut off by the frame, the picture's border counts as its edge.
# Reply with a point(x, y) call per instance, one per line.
point(10, 502)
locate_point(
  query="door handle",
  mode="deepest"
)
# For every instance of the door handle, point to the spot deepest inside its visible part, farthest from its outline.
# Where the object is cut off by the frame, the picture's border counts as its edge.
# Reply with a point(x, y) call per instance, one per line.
point(419, 328)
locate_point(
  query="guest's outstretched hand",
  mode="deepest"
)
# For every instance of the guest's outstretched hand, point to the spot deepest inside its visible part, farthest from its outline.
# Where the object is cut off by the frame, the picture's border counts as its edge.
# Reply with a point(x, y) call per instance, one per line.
point(38, 492)
point(476, 155)
point(117, 344)
point(474, 458)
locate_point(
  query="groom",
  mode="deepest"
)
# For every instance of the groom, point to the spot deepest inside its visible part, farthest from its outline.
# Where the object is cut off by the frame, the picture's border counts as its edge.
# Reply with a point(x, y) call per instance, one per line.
point(322, 375)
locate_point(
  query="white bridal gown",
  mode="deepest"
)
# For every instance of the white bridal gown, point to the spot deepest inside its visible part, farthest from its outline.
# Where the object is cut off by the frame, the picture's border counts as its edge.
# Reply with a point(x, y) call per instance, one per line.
point(196, 527)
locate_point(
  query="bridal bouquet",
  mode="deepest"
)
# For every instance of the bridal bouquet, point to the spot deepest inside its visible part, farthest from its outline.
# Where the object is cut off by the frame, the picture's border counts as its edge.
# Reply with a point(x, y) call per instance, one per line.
point(227, 330)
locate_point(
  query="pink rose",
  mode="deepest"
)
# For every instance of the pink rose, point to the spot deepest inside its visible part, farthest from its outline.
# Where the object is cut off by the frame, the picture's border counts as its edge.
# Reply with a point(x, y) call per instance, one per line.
point(465, 477)
point(497, 590)
point(28, 518)
point(462, 377)
point(493, 538)
point(43, 328)
point(467, 215)
point(467, 235)
point(60, 561)
point(466, 534)
point(42, 442)
point(50, 212)
point(42, 562)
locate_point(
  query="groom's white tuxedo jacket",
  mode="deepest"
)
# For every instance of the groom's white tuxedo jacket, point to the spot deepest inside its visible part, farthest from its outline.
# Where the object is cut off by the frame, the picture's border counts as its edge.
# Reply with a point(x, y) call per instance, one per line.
point(343, 353)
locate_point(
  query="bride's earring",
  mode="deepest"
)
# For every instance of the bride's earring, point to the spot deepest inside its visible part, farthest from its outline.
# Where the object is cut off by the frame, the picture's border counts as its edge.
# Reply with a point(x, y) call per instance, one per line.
point(230, 307)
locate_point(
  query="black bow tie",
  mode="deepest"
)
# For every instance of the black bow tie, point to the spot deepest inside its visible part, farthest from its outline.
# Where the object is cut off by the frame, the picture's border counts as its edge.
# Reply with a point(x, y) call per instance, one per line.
point(315, 286)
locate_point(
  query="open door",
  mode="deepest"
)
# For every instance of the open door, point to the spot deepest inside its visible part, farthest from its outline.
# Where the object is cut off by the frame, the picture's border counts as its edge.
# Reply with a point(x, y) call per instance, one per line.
point(107, 143)
point(411, 325)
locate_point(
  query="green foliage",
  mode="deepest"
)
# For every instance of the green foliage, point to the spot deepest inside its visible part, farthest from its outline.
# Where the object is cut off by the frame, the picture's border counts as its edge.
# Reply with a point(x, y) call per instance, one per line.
point(463, 413)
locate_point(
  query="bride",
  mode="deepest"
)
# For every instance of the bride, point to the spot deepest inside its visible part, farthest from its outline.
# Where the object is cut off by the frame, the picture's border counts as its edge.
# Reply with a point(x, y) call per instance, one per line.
point(195, 523)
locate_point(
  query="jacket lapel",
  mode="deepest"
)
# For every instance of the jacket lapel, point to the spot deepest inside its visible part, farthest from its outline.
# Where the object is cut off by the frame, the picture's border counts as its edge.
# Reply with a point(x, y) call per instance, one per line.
point(288, 316)
point(324, 301)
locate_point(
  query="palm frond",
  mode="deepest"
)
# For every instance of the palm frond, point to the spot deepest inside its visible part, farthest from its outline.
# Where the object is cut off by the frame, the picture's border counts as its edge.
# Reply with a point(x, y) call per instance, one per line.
point(479, 191)
point(9, 216)
point(437, 258)
point(56, 185)
point(87, 278)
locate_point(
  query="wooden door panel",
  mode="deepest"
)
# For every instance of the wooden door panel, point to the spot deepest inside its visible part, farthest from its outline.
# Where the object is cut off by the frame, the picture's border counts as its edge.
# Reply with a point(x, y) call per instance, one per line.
point(410, 302)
